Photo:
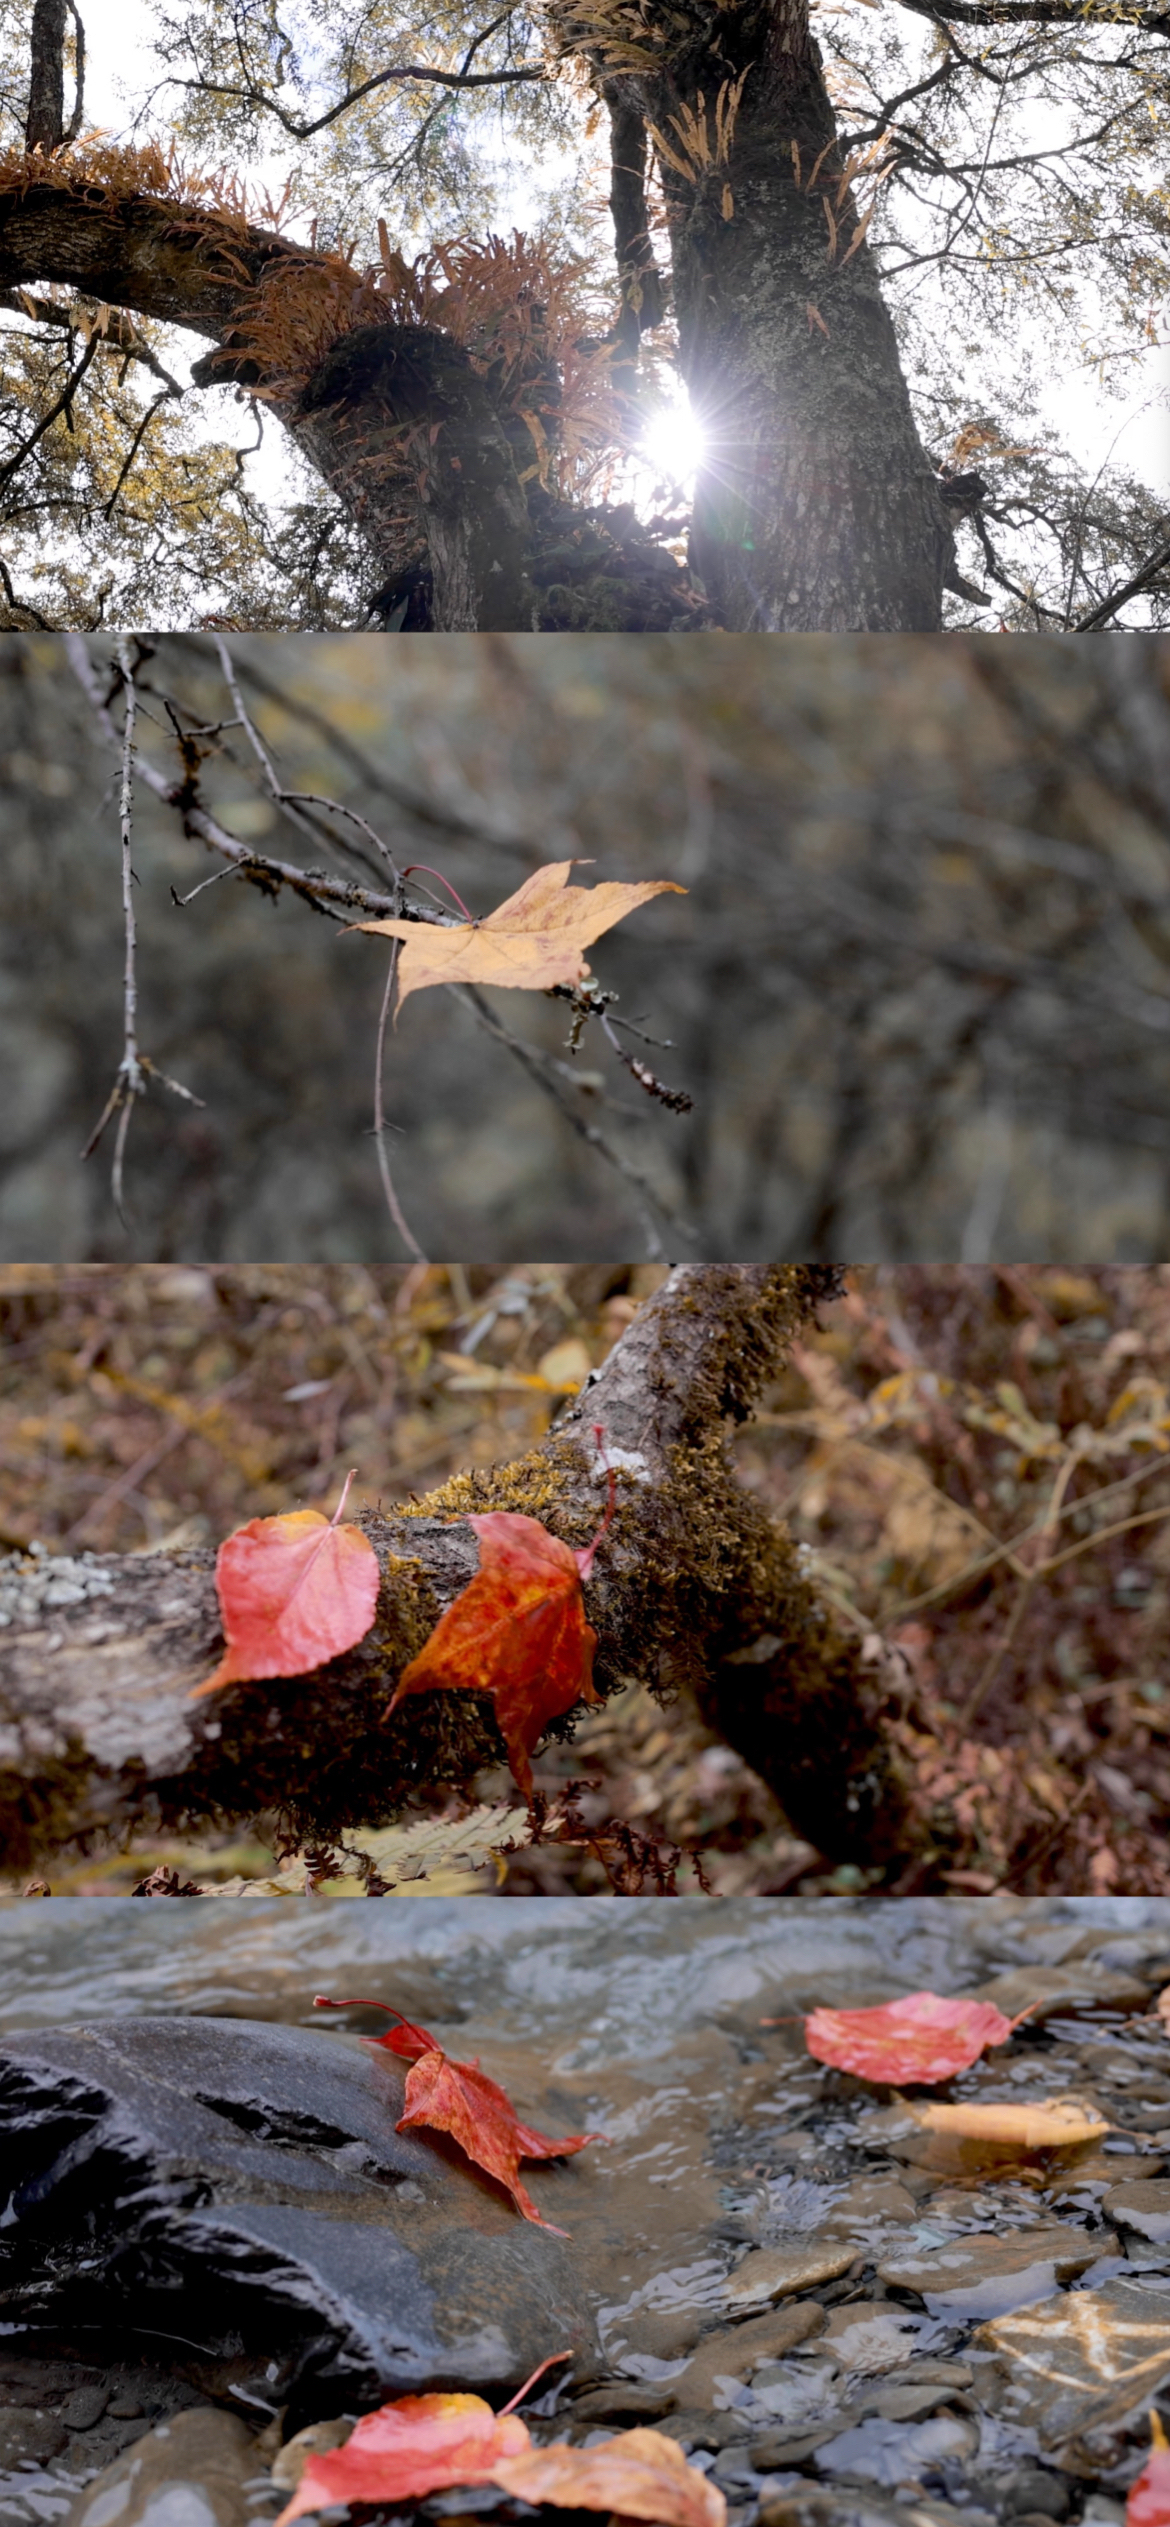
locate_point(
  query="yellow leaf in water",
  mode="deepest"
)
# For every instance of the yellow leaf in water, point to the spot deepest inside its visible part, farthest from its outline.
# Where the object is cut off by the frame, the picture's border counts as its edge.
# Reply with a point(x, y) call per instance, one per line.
point(1061, 2123)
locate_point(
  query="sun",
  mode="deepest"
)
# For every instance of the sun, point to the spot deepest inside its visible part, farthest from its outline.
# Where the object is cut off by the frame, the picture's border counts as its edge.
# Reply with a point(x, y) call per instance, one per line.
point(672, 443)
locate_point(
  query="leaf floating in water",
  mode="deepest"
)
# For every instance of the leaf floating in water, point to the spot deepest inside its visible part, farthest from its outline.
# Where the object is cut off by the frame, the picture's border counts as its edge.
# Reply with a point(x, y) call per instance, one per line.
point(640, 2474)
point(1061, 2123)
point(921, 2038)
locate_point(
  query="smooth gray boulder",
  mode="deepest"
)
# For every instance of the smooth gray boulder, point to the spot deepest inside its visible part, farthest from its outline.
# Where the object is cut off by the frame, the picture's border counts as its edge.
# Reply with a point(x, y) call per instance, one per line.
point(238, 2190)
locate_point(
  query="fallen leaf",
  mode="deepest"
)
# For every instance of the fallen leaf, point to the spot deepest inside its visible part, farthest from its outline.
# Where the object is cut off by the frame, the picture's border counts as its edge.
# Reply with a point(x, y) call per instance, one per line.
point(531, 942)
point(421, 2444)
point(639, 2474)
point(1149, 2500)
point(517, 1631)
point(293, 1591)
point(920, 2037)
point(457, 2097)
point(1059, 2124)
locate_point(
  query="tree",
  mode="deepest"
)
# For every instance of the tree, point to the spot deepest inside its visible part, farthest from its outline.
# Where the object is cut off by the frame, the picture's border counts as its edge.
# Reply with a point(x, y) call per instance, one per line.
point(832, 226)
point(698, 1587)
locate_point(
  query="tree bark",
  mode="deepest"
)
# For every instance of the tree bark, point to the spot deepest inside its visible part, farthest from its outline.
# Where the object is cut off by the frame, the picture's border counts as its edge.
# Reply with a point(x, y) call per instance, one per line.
point(694, 1585)
point(45, 120)
point(816, 506)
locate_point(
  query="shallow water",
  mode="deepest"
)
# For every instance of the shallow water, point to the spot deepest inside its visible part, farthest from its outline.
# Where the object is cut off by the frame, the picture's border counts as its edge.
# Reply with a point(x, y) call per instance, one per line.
point(641, 2022)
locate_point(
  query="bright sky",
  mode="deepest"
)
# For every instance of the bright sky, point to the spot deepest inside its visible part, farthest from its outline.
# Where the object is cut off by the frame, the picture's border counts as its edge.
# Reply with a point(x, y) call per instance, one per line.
point(1132, 430)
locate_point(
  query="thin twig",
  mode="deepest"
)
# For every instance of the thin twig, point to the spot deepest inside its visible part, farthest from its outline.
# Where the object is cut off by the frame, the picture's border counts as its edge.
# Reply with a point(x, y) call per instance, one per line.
point(62, 405)
point(133, 1073)
point(649, 1200)
point(393, 1205)
point(135, 444)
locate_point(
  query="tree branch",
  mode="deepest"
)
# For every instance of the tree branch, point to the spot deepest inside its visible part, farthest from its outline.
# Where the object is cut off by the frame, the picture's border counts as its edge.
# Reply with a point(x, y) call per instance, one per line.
point(695, 1586)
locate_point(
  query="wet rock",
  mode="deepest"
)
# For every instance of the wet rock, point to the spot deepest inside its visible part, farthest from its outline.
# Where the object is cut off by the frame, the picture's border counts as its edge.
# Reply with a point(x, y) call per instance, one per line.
point(624, 2400)
point(813, 2507)
point(737, 2349)
point(1034, 2493)
point(1054, 1991)
point(1142, 2205)
point(694, 2429)
point(933, 2383)
point(29, 2438)
point(327, 2260)
point(85, 2407)
point(194, 2471)
point(771, 2273)
point(869, 2336)
point(872, 2198)
point(1083, 2362)
point(985, 2275)
point(892, 2453)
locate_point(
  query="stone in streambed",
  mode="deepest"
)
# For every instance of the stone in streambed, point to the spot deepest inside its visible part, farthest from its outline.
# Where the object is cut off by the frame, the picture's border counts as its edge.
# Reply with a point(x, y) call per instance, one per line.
point(985, 2275)
point(736, 2349)
point(29, 2438)
point(778, 2272)
point(194, 2471)
point(1143, 2206)
point(239, 2188)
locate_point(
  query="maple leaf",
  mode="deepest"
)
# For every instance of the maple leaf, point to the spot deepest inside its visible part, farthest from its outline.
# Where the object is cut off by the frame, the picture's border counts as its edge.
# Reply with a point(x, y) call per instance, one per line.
point(1149, 2500)
point(459, 2098)
point(415, 2445)
point(429, 2443)
point(293, 1591)
point(921, 2037)
point(531, 942)
point(517, 1631)
point(639, 2474)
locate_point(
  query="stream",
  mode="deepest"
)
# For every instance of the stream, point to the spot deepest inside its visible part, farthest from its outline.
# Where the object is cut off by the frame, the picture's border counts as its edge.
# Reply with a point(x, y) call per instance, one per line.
point(843, 2319)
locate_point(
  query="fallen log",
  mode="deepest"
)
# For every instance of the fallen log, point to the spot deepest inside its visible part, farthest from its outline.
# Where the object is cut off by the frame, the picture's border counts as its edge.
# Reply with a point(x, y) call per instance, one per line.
point(695, 1586)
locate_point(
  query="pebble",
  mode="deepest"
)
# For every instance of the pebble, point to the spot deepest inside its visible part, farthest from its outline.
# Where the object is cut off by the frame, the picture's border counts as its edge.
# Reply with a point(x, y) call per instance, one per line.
point(193, 2471)
point(1143, 2206)
point(986, 2275)
point(29, 2438)
point(771, 2273)
point(736, 2349)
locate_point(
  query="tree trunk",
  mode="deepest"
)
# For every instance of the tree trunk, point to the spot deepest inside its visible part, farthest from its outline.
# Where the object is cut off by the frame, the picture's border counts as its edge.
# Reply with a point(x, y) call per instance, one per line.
point(816, 506)
point(45, 121)
point(694, 1585)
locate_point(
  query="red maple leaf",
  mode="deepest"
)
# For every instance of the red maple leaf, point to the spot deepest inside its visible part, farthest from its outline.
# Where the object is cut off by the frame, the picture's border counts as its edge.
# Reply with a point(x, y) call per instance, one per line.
point(416, 2445)
point(920, 2038)
point(1149, 2500)
point(517, 1631)
point(293, 1591)
point(457, 2097)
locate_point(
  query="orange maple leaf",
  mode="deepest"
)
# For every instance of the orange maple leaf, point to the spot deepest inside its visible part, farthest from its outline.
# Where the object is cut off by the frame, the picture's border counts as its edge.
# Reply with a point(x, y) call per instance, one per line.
point(528, 944)
point(517, 1631)
point(459, 2098)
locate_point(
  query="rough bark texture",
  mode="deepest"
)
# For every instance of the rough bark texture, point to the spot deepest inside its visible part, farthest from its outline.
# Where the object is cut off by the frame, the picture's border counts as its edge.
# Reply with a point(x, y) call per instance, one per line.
point(816, 508)
point(694, 1585)
point(45, 120)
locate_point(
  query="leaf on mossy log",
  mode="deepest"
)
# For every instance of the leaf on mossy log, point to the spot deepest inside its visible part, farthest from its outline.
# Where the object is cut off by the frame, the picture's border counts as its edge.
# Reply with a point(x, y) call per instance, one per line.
point(293, 1591)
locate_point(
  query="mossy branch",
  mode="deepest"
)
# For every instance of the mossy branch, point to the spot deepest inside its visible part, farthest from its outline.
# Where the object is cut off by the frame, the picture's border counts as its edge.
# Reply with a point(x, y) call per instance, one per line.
point(694, 1586)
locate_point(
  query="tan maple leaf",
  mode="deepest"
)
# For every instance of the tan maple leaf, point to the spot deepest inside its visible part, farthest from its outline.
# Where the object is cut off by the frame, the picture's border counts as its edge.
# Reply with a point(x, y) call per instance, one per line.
point(531, 942)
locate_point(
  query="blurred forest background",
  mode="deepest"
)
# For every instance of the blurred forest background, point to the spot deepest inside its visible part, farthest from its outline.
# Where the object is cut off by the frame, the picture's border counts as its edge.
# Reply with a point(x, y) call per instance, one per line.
point(975, 1458)
point(919, 988)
